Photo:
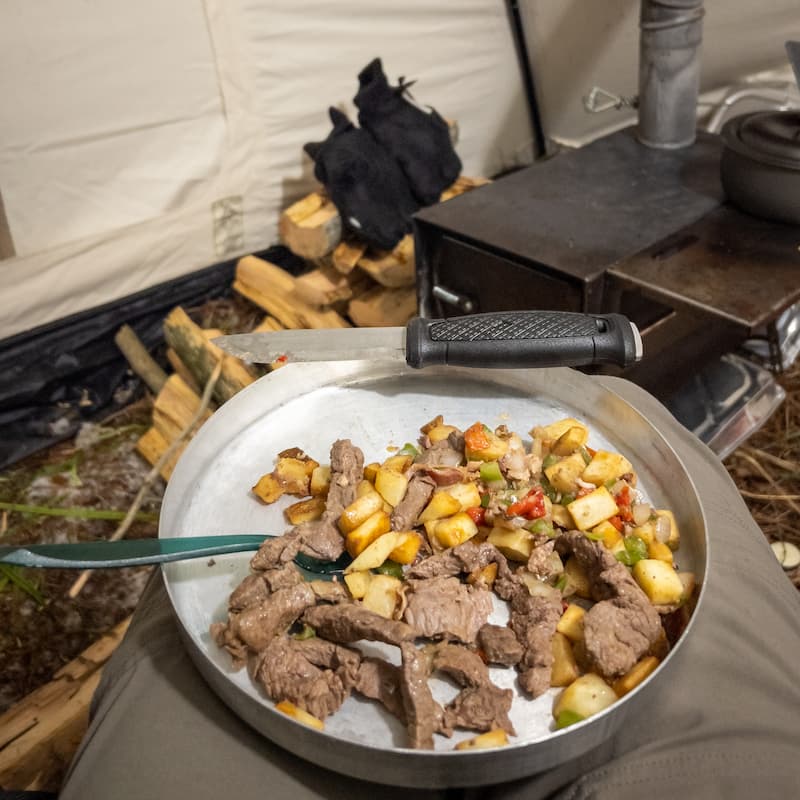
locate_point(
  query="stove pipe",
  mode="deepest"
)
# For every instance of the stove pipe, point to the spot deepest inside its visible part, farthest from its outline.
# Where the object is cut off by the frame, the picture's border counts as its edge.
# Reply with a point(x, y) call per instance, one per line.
point(669, 71)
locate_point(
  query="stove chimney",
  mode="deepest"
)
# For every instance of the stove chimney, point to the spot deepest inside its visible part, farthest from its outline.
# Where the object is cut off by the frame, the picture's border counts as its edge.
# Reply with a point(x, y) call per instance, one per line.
point(669, 71)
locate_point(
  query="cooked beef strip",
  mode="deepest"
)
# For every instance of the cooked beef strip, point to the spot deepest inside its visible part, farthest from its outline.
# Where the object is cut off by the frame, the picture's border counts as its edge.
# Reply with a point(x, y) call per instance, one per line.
point(348, 622)
point(499, 644)
point(319, 538)
point(419, 491)
point(446, 608)
point(223, 637)
point(623, 625)
point(283, 576)
point(465, 666)
point(480, 708)
point(444, 476)
point(423, 714)
point(444, 453)
point(379, 680)
point(250, 592)
point(330, 591)
point(534, 620)
point(464, 558)
point(540, 561)
point(312, 674)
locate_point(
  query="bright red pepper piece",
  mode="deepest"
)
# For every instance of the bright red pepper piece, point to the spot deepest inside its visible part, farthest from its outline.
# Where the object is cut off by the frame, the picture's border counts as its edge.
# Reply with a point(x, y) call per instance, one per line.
point(531, 506)
point(478, 515)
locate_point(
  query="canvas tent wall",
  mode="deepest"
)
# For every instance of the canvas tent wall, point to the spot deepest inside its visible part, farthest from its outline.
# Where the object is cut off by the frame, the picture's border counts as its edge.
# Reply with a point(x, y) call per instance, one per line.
point(143, 141)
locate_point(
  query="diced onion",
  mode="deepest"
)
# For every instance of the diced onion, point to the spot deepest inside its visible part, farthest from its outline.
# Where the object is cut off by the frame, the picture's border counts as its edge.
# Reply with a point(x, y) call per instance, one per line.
point(663, 529)
point(641, 512)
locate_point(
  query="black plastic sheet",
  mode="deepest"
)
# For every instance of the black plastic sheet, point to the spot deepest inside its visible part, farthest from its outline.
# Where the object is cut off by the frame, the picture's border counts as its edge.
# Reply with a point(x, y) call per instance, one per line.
point(56, 377)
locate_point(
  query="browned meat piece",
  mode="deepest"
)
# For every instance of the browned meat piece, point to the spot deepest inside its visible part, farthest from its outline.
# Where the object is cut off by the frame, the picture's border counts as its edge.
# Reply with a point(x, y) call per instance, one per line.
point(445, 476)
point(312, 674)
point(423, 714)
point(540, 561)
point(623, 625)
point(379, 680)
point(446, 608)
point(320, 538)
point(463, 665)
point(444, 453)
point(257, 625)
point(250, 592)
point(419, 491)
point(534, 620)
point(499, 644)
point(222, 637)
point(480, 708)
point(348, 622)
point(463, 559)
point(330, 591)
point(286, 575)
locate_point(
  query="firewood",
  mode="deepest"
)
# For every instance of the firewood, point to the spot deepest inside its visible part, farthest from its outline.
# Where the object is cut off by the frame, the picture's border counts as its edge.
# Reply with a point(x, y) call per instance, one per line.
point(273, 289)
point(39, 735)
point(151, 447)
point(311, 227)
point(174, 407)
point(381, 306)
point(182, 370)
point(393, 269)
point(140, 360)
point(200, 356)
point(268, 324)
point(347, 254)
point(322, 287)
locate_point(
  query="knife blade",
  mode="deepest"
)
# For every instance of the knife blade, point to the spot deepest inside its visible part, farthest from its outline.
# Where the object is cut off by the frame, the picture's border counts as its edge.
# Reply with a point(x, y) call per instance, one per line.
point(505, 339)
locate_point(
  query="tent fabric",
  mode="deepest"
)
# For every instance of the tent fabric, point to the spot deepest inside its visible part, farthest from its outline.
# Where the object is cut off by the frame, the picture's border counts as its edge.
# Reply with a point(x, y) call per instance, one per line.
point(144, 141)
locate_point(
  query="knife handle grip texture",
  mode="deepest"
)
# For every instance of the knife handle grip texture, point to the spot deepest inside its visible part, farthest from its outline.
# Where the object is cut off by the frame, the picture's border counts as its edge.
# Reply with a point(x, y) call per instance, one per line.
point(523, 339)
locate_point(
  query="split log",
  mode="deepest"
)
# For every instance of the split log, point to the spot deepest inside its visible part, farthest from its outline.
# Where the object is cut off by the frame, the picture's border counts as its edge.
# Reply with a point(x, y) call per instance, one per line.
point(393, 269)
point(311, 227)
point(182, 370)
point(323, 287)
point(152, 445)
point(381, 306)
point(200, 356)
point(40, 734)
point(347, 254)
point(140, 360)
point(174, 407)
point(268, 324)
point(273, 289)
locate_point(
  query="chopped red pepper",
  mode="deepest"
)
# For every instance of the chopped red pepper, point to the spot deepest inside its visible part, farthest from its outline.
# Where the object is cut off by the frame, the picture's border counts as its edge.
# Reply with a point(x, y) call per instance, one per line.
point(583, 491)
point(531, 506)
point(591, 451)
point(475, 437)
point(623, 500)
point(478, 515)
point(616, 522)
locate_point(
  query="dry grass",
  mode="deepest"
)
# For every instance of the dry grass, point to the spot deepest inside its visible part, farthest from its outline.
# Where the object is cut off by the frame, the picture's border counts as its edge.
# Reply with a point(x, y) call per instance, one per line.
point(767, 469)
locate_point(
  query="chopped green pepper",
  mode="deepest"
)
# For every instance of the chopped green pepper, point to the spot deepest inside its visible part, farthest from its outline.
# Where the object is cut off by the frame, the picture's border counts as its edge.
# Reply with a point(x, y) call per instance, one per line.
point(306, 633)
point(485, 500)
point(635, 550)
point(541, 526)
point(587, 458)
point(408, 449)
point(561, 583)
point(390, 567)
point(490, 472)
point(549, 460)
point(567, 718)
point(567, 498)
point(548, 489)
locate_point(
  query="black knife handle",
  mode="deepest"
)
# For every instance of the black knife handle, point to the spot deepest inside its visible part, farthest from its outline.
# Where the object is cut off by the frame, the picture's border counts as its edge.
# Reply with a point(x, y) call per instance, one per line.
point(509, 339)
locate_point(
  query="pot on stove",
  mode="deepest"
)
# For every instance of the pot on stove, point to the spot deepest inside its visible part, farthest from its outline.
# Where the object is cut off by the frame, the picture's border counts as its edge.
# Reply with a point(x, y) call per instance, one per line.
point(760, 166)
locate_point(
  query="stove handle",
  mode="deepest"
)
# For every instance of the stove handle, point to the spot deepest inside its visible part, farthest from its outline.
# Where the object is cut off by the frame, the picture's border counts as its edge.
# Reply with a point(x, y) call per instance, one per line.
point(464, 303)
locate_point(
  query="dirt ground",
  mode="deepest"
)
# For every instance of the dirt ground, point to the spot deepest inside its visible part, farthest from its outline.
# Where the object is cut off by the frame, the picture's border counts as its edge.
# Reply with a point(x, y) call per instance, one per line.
point(43, 628)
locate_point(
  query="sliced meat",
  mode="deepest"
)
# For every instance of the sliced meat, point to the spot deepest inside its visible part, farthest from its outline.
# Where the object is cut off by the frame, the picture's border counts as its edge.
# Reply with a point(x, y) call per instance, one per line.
point(499, 645)
point(348, 622)
point(285, 575)
point(447, 452)
point(541, 561)
point(329, 591)
point(257, 625)
point(250, 592)
point(419, 491)
point(423, 714)
point(313, 675)
point(223, 637)
point(534, 620)
point(445, 608)
point(463, 559)
point(465, 666)
point(480, 708)
point(347, 471)
point(379, 680)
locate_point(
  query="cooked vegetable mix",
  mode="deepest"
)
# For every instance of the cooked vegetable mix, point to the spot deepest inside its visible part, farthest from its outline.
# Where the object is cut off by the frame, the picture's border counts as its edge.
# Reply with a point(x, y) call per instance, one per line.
point(556, 529)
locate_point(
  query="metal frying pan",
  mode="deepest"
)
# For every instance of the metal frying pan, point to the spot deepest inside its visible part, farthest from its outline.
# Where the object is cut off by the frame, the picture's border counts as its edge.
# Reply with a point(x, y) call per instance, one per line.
point(377, 405)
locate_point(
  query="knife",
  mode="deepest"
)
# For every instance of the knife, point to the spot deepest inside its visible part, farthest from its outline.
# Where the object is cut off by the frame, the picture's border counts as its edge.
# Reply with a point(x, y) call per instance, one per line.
point(505, 339)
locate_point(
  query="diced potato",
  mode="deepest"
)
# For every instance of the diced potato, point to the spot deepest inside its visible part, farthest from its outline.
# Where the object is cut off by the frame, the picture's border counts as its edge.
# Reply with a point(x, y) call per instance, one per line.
point(577, 579)
point(358, 582)
point(381, 595)
point(467, 494)
point(515, 544)
point(391, 485)
point(592, 508)
point(455, 530)
point(605, 467)
point(570, 440)
point(564, 473)
point(376, 553)
point(320, 481)
point(305, 510)
point(484, 576)
point(367, 532)
point(398, 463)
point(689, 582)
point(370, 471)
point(297, 713)
point(359, 510)
point(584, 697)
point(637, 673)
point(491, 447)
point(611, 536)
point(674, 540)
point(565, 669)
point(555, 430)
point(429, 426)
point(268, 489)
point(407, 552)
point(571, 622)
point(483, 741)
point(562, 517)
point(659, 581)
point(538, 587)
point(646, 532)
point(659, 551)
point(440, 432)
point(364, 487)
point(295, 474)
point(442, 504)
